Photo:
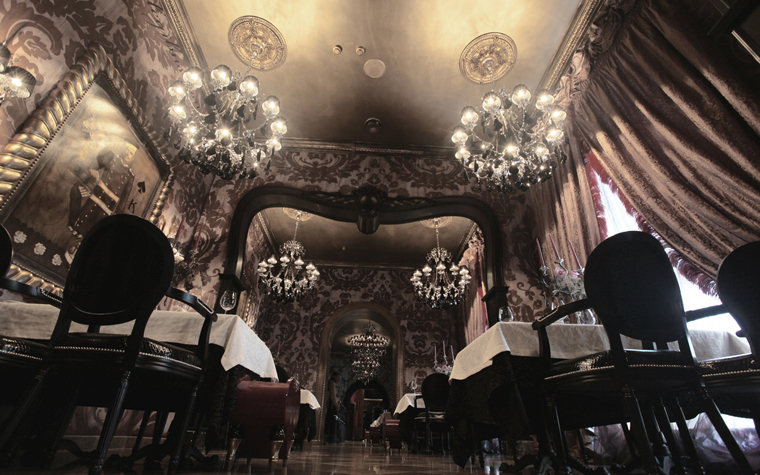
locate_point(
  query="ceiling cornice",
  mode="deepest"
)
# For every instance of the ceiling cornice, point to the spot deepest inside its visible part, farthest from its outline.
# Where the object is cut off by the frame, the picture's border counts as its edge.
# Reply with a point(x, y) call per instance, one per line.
point(184, 32)
point(298, 144)
point(575, 34)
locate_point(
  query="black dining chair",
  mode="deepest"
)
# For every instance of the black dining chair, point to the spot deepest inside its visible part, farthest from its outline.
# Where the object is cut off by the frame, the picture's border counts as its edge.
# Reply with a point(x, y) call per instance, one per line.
point(734, 382)
point(632, 287)
point(435, 394)
point(121, 271)
point(20, 359)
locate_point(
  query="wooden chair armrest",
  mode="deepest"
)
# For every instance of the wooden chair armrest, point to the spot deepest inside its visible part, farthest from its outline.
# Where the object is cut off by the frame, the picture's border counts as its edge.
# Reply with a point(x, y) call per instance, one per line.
point(692, 315)
point(544, 347)
point(194, 302)
point(208, 314)
point(30, 291)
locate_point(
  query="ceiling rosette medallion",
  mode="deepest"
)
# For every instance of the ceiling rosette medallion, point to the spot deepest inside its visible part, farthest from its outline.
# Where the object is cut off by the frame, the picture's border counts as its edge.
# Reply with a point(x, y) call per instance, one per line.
point(257, 43)
point(488, 58)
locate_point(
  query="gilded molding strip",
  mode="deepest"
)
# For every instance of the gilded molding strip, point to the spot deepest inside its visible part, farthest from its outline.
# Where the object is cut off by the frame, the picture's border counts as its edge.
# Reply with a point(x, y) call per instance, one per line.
point(26, 276)
point(183, 30)
point(576, 33)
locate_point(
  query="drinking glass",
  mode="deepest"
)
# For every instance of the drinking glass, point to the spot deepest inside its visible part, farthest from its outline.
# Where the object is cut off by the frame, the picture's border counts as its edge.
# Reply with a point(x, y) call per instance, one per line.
point(227, 302)
point(506, 315)
point(414, 386)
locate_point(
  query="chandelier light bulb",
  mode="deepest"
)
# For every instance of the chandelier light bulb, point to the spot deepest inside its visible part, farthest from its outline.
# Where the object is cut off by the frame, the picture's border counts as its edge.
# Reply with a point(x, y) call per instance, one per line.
point(459, 136)
point(221, 77)
point(544, 100)
point(279, 126)
point(470, 116)
point(554, 134)
point(492, 102)
point(178, 112)
point(177, 90)
point(521, 95)
point(271, 106)
point(249, 86)
point(558, 115)
point(193, 78)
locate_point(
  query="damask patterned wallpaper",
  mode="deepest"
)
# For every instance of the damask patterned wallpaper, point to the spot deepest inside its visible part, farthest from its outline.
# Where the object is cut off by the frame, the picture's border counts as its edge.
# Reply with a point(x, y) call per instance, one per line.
point(300, 326)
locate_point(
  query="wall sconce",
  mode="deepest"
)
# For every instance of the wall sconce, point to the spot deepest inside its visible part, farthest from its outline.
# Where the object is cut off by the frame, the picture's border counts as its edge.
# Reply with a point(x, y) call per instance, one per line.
point(15, 81)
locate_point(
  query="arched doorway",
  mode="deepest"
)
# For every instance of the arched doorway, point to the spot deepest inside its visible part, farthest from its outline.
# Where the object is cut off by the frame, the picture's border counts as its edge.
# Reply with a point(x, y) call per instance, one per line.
point(360, 310)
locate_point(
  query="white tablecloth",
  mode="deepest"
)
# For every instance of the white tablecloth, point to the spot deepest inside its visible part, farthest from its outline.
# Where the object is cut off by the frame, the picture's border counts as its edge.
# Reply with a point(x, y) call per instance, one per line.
point(407, 401)
point(241, 345)
point(308, 398)
point(572, 341)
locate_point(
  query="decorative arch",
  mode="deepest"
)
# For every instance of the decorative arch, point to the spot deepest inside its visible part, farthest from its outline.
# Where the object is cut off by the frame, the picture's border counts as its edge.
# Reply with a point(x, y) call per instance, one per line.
point(367, 206)
point(334, 323)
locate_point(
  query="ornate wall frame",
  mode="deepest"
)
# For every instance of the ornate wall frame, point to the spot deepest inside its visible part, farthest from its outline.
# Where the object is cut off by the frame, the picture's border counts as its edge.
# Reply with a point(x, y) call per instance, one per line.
point(23, 160)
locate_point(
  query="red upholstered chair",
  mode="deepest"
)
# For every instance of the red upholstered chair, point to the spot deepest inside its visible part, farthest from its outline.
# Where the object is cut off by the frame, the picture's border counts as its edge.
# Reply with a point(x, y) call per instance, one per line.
point(373, 435)
point(391, 434)
point(264, 409)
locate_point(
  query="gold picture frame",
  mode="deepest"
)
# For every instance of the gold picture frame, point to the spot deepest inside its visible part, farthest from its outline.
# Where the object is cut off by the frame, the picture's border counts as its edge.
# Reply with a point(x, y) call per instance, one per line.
point(86, 152)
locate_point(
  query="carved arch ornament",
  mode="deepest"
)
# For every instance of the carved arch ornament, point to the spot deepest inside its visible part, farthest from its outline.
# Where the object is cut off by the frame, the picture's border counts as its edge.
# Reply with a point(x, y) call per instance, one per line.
point(367, 206)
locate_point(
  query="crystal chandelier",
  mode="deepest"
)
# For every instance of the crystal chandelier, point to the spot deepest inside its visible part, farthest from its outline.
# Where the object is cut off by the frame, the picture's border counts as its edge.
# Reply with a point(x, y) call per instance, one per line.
point(15, 81)
point(216, 122)
point(501, 145)
point(367, 349)
point(286, 279)
point(439, 289)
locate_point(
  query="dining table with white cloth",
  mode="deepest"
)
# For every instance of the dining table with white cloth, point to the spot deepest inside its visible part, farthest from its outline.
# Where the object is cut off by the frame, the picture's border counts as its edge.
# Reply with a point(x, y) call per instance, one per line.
point(409, 400)
point(241, 345)
point(495, 380)
point(572, 341)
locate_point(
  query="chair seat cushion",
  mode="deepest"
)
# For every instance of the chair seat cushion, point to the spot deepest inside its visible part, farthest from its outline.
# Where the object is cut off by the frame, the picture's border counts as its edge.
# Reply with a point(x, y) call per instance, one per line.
point(599, 368)
point(153, 354)
point(17, 351)
point(733, 371)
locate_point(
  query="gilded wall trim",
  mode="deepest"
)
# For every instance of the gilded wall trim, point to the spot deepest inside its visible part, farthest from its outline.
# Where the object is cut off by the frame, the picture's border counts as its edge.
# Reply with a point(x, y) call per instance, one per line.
point(575, 35)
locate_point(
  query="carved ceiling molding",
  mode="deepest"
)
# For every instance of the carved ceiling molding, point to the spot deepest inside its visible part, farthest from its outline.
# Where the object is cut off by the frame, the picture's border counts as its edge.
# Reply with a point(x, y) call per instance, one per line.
point(575, 35)
point(184, 32)
point(296, 144)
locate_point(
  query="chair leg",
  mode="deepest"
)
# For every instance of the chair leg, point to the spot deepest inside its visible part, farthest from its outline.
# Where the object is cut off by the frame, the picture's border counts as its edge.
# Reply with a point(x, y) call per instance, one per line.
point(720, 425)
point(109, 425)
point(639, 431)
point(674, 408)
point(556, 450)
point(185, 416)
point(141, 431)
point(21, 411)
point(663, 421)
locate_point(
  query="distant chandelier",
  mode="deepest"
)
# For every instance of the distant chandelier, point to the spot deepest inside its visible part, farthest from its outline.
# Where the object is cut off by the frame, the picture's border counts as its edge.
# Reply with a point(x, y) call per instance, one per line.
point(501, 144)
point(367, 349)
point(286, 279)
point(218, 131)
point(15, 81)
point(438, 289)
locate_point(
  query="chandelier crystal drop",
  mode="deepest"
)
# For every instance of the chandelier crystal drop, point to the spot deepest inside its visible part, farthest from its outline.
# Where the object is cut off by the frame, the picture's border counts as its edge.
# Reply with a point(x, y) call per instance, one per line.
point(288, 278)
point(217, 122)
point(367, 349)
point(439, 288)
point(501, 145)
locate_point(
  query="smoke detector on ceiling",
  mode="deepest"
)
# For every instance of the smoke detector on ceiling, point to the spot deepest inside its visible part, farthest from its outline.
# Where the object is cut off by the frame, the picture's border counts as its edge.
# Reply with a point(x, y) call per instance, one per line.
point(374, 68)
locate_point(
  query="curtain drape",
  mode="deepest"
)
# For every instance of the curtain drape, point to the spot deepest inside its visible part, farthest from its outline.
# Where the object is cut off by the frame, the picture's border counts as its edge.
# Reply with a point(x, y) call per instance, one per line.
point(675, 127)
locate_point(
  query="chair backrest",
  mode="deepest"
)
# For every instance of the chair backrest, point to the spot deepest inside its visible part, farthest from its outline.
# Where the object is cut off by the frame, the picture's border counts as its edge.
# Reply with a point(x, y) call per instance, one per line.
point(739, 290)
point(121, 271)
point(435, 391)
point(632, 287)
point(6, 251)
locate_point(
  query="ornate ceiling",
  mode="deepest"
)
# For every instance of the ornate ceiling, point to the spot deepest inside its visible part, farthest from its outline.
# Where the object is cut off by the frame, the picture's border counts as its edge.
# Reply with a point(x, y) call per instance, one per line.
point(418, 100)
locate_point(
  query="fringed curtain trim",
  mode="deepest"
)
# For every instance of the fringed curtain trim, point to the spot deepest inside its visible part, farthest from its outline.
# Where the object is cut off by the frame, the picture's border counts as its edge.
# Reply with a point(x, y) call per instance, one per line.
point(691, 272)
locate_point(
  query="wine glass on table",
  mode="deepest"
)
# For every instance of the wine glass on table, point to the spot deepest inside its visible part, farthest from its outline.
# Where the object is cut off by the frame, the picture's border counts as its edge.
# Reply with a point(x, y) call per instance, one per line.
point(227, 302)
point(414, 386)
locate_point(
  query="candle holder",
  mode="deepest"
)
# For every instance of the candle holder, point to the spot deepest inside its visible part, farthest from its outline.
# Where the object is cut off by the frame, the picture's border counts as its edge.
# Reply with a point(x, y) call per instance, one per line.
point(564, 286)
point(444, 368)
point(185, 268)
